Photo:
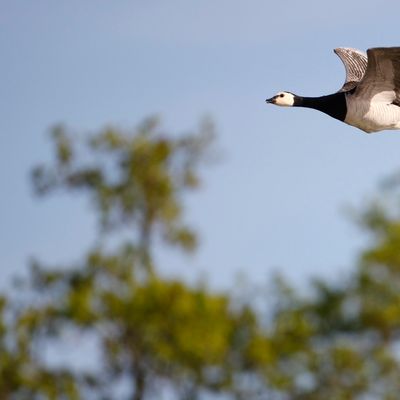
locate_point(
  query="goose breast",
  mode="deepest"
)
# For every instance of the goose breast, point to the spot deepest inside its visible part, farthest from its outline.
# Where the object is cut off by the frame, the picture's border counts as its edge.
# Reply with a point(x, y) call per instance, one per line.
point(373, 116)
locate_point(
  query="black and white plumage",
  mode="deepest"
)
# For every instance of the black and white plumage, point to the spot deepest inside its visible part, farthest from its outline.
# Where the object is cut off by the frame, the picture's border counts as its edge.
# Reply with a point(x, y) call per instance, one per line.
point(370, 96)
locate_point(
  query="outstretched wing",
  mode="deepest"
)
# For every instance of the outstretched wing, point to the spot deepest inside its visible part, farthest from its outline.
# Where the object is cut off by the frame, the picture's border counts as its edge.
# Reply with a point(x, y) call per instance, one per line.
point(355, 63)
point(382, 77)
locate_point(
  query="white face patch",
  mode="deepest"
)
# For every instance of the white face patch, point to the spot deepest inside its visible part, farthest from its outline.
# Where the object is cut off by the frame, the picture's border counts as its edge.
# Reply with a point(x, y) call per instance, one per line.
point(284, 99)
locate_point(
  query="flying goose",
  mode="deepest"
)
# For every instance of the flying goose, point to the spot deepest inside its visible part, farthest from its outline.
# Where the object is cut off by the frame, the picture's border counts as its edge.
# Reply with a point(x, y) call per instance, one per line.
point(370, 96)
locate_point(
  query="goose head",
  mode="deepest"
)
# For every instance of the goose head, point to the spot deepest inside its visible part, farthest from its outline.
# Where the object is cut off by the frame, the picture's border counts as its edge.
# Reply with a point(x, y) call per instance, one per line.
point(283, 99)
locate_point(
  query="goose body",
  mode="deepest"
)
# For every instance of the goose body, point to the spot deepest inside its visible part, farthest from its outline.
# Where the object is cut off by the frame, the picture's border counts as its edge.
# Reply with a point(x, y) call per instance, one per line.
point(370, 96)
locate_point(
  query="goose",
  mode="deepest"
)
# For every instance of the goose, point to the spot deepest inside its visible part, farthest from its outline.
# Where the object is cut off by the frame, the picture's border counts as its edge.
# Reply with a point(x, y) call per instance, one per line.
point(370, 97)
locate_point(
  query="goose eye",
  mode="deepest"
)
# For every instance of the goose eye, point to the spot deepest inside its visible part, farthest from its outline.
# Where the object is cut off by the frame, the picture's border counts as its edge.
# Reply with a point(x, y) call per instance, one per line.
point(281, 95)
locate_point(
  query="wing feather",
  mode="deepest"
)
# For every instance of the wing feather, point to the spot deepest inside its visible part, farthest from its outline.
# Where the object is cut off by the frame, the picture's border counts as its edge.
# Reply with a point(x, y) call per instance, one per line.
point(382, 76)
point(355, 63)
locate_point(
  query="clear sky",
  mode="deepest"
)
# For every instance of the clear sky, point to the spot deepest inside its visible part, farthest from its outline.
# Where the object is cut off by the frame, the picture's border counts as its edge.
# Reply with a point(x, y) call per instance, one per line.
point(276, 198)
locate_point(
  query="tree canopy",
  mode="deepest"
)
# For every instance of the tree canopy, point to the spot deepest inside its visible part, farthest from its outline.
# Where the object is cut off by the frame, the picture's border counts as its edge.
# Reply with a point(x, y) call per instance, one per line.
point(158, 336)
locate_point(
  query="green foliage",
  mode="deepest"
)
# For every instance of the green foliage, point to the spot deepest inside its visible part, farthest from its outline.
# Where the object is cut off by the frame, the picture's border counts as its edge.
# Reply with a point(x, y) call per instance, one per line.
point(22, 375)
point(150, 329)
point(135, 180)
point(340, 341)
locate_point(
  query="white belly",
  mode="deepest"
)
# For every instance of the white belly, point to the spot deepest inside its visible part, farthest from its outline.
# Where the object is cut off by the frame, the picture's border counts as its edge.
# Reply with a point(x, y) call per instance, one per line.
point(372, 117)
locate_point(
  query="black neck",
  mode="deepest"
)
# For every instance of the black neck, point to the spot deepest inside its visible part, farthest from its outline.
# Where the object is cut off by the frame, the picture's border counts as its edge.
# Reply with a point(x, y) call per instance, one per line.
point(333, 104)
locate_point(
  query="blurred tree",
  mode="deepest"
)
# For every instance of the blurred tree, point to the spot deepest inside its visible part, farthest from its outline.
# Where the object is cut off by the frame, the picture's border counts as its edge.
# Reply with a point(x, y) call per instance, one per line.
point(22, 375)
point(338, 341)
point(135, 179)
point(153, 332)
point(343, 341)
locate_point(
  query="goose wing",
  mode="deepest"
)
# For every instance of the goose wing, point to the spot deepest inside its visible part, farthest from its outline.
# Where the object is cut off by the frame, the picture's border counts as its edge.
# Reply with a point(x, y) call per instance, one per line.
point(381, 81)
point(355, 63)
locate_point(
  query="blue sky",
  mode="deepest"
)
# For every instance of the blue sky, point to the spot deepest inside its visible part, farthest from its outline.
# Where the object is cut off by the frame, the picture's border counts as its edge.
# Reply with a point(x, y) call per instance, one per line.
point(274, 201)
